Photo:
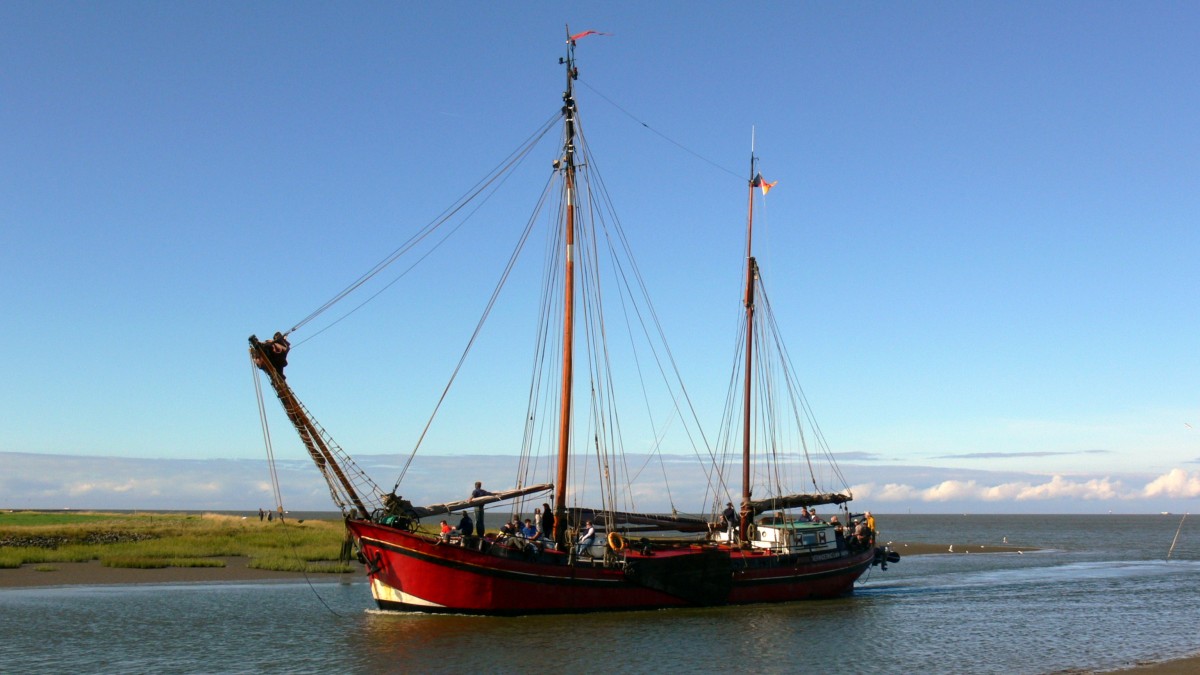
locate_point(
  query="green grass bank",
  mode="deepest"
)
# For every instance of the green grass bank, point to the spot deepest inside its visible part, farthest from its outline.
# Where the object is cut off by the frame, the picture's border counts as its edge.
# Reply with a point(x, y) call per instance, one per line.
point(156, 540)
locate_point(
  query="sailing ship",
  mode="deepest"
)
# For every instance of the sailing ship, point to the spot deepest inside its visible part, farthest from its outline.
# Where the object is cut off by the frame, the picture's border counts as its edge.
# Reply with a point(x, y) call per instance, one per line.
point(769, 550)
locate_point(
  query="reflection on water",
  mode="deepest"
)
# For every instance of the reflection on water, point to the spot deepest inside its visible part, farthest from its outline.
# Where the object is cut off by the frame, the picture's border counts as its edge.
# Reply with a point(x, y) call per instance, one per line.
point(1082, 602)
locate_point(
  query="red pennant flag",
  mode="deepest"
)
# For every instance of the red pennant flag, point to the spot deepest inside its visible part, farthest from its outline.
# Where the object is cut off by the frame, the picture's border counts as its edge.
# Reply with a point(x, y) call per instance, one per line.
point(587, 33)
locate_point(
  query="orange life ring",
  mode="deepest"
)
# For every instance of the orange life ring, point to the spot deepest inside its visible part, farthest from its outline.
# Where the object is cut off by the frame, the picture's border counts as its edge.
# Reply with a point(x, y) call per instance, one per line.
point(615, 541)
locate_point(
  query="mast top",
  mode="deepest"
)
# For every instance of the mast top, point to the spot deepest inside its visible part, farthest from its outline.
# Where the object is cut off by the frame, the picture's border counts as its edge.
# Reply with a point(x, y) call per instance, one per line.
point(569, 59)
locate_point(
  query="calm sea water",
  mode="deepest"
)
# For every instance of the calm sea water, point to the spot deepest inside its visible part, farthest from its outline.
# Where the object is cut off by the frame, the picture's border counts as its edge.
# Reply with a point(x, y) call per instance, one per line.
point(1100, 596)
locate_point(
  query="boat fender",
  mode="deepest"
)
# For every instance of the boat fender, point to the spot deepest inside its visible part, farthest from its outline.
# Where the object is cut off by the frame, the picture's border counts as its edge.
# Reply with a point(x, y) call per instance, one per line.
point(615, 541)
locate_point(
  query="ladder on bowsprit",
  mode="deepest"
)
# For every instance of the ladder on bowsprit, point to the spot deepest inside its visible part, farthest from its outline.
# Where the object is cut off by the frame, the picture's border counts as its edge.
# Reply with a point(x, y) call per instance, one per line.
point(349, 486)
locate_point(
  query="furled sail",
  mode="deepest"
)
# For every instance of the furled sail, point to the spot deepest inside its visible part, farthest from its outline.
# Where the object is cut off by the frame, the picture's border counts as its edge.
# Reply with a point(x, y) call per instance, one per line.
point(448, 507)
point(793, 501)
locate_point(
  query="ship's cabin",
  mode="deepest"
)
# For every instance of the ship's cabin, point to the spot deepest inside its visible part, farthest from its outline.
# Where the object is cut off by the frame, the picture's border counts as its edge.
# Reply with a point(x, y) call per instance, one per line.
point(783, 534)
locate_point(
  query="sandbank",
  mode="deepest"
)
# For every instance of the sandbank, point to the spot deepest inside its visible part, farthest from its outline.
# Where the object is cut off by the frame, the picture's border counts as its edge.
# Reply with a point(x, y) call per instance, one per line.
point(1185, 666)
point(92, 573)
point(954, 549)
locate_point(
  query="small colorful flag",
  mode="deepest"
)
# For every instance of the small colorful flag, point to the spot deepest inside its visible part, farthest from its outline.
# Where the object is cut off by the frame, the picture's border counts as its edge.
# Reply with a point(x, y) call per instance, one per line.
point(587, 33)
point(761, 183)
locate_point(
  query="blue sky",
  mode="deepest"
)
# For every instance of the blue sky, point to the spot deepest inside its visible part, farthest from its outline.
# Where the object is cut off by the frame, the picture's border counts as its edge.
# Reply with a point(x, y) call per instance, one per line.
point(984, 233)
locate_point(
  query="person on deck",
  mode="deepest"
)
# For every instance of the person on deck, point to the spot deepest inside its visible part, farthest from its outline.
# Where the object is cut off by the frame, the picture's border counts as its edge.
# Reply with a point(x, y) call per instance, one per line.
point(479, 492)
point(837, 526)
point(586, 538)
point(862, 534)
point(547, 521)
point(446, 531)
point(465, 526)
point(731, 520)
point(528, 530)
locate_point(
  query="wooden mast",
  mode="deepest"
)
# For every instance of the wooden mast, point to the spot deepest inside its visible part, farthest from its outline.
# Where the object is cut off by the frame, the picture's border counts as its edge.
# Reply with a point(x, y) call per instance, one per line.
point(568, 168)
point(751, 271)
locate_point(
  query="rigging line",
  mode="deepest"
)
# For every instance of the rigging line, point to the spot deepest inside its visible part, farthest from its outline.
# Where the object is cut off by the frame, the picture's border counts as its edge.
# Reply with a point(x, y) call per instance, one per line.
point(603, 360)
point(772, 331)
point(606, 434)
point(304, 566)
point(540, 409)
point(732, 418)
point(653, 314)
point(658, 434)
point(512, 261)
point(507, 174)
point(715, 470)
point(790, 372)
point(663, 136)
point(780, 438)
point(541, 348)
point(262, 417)
point(767, 409)
point(505, 165)
point(615, 262)
point(628, 287)
point(600, 371)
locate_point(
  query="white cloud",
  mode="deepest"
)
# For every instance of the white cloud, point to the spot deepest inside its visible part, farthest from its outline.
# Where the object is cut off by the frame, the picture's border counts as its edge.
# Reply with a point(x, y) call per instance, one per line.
point(890, 492)
point(59, 481)
point(1176, 483)
point(1059, 487)
point(80, 489)
point(972, 490)
point(952, 490)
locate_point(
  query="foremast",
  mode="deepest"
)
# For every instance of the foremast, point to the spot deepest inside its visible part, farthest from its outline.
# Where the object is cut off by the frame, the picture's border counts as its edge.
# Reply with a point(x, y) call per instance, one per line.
point(567, 166)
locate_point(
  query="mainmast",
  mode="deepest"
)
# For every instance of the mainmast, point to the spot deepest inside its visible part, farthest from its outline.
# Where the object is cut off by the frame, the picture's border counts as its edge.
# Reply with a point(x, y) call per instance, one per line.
point(751, 271)
point(568, 168)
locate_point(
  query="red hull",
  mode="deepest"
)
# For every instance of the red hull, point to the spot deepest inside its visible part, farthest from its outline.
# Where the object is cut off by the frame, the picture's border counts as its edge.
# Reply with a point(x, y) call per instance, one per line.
point(414, 572)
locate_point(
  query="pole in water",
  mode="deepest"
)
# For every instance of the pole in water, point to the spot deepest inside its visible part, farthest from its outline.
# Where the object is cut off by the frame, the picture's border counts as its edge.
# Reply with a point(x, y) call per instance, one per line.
point(1176, 539)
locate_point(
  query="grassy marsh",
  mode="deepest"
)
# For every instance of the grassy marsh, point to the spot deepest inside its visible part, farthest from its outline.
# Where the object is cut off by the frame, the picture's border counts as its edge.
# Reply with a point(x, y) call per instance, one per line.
point(149, 540)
